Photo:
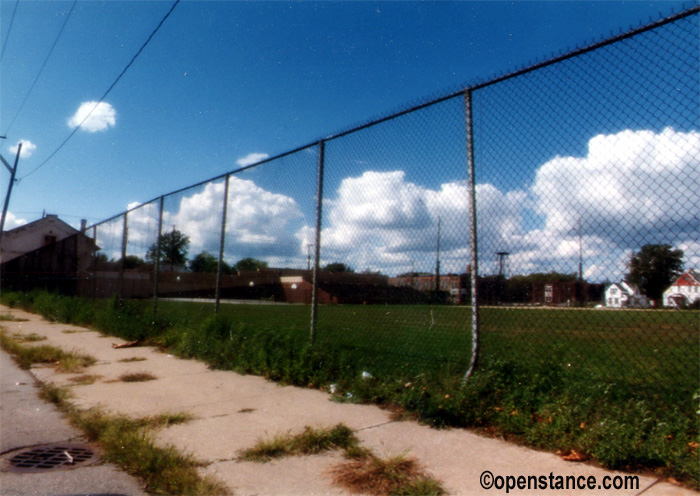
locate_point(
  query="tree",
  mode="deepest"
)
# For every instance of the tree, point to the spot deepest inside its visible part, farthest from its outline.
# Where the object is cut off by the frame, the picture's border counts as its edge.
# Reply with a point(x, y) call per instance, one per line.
point(173, 248)
point(133, 262)
point(250, 264)
point(654, 268)
point(206, 262)
point(338, 267)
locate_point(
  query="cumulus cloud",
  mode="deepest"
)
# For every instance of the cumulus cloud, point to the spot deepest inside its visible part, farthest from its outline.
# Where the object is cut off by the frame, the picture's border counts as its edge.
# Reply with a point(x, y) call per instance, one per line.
point(631, 186)
point(382, 221)
point(28, 148)
point(94, 117)
point(12, 221)
point(251, 158)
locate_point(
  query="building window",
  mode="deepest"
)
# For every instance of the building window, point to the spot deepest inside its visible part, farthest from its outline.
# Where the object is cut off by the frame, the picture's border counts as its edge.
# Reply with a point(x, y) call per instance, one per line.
point(49, 240)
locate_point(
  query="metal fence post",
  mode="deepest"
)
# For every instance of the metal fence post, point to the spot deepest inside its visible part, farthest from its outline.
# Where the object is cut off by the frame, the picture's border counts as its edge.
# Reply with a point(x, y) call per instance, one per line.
point(317, 247)
point(125, 240)
point(156, 268)
point(474, 252)
point(221, 247)
point(94, 264)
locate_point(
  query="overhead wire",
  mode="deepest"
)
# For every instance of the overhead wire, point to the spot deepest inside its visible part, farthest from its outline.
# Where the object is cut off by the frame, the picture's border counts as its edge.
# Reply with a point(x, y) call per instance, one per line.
point(75, 130)
point(26, 97)
point(9, 30)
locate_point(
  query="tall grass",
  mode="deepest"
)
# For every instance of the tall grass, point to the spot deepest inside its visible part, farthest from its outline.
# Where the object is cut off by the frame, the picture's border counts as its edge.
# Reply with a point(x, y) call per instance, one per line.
point(568, 392)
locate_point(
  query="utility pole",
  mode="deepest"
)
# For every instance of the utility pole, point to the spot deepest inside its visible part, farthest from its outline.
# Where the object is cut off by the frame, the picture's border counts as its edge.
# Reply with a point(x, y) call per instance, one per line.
point(13, 173)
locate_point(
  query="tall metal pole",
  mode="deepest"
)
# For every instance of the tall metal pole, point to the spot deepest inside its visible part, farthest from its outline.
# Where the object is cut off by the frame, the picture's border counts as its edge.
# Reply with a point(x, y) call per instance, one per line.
point(317, 247)
point(437, 260)
point(472, 237)
point(221, 247)
point(125, 240)
point(94, 263)
point(13, 173)
point(156, 268)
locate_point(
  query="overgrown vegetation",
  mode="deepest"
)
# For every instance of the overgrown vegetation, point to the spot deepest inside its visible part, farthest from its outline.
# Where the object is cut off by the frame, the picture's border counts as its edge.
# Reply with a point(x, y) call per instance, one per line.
point(579, 380)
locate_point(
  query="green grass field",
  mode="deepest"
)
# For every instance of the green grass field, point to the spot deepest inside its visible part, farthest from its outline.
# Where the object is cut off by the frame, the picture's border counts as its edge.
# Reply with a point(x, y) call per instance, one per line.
point(643, 348)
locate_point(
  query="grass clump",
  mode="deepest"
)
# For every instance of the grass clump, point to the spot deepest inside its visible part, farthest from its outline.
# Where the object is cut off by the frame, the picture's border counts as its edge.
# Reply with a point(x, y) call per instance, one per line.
point(28, 338)
point(129, 444)
point(137, 377)
point(393, 476)
point(84, 379)
point(6, 317)
point(132, 359)
point(63, 361)
point(308, 442)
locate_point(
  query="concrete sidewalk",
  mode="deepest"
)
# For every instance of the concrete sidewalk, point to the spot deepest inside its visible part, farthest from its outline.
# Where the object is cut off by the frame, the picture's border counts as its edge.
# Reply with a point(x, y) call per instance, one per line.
point(232, 412)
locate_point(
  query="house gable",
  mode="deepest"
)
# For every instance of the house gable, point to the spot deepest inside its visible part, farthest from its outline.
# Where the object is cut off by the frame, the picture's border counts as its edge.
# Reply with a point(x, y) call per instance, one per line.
point(29, 237)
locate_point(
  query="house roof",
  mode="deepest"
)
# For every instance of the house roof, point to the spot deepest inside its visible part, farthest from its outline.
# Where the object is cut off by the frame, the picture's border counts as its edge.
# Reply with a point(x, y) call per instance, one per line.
point(688, 278)
point(48, 218)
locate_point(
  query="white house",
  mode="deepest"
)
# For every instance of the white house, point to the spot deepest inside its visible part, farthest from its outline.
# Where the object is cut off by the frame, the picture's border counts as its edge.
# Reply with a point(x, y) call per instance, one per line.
point(29, 237)
point(625, 295)
point(684, 291)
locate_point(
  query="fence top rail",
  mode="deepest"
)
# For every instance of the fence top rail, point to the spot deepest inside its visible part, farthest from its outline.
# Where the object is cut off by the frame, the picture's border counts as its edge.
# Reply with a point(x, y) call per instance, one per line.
point(468, 88)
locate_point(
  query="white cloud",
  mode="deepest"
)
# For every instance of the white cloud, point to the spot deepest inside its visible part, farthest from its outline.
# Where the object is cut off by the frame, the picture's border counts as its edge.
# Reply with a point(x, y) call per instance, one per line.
point(631, 186)
point(12, 221)
point(28, 148)
point(251, 158)
point(93, 117)
point(381, 221)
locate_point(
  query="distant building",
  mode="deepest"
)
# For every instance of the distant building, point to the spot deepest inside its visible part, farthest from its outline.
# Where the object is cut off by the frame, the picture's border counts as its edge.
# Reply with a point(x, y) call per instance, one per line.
point(455, 285)
point(625, 295)
point(684, 291)
point(560, 293)
point(29, 237)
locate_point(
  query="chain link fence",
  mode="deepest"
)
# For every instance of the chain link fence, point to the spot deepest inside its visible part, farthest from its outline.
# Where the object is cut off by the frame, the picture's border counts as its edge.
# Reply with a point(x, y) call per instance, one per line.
point(582, 248)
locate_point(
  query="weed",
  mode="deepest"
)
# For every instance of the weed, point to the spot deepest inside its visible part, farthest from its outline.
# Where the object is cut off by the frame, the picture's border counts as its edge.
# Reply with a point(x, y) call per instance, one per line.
point(6, 317)
point(28, 338)
point(57, 395)
point(308, 442)
point(132, 359)
point(26, 356)
point(396, 475)
point(137, 377)
point(128, 443)
point(84, 379)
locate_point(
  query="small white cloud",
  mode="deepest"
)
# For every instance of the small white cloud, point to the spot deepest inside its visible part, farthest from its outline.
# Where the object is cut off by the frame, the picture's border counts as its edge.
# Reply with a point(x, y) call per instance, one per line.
point(251, 158)
point(94, 116)
point(28, 148)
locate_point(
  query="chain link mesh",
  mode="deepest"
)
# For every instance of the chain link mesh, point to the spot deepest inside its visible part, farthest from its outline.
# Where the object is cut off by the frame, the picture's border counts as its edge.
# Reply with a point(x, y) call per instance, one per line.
point(586, 180)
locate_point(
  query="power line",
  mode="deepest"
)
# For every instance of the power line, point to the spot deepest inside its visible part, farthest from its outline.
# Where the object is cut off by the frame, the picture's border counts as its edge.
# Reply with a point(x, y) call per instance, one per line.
point(9, 29)
point(42, 68)
point(162, 21)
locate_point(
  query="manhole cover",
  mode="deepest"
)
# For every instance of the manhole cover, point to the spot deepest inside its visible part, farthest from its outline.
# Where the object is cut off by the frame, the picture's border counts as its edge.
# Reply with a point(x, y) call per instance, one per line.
point(50, 457)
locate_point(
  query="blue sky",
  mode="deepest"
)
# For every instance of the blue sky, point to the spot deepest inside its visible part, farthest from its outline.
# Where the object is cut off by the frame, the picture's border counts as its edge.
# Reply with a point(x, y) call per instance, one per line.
point(223, 80)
